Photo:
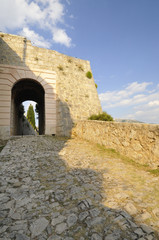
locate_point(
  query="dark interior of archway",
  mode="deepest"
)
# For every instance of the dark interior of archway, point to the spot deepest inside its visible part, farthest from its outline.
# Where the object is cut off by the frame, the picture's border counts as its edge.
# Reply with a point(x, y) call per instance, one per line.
point(24, 90)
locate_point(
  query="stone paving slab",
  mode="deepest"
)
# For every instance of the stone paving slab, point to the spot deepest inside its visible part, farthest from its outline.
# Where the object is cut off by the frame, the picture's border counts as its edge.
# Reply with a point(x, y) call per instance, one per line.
point(58, 189)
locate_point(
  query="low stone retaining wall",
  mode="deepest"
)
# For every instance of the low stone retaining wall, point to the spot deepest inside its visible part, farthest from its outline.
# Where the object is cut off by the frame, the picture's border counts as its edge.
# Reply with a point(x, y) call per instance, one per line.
point(134, 140)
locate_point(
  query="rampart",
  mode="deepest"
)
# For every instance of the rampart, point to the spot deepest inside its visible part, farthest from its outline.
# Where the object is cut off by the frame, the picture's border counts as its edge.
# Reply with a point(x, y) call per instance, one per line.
point(69, 95)
point(139, 142)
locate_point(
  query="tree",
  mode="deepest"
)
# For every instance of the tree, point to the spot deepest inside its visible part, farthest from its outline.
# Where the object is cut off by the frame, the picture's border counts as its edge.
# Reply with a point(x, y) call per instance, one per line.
point(31, 115)
point(37, 110)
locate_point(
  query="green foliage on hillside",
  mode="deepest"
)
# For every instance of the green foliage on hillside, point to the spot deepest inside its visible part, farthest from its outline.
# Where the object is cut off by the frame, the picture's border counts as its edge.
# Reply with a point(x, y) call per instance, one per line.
point(101, 117)
point(31, 115)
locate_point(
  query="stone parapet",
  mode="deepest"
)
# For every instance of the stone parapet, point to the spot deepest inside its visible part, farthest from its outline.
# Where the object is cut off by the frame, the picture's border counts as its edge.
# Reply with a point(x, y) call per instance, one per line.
point(134, 140)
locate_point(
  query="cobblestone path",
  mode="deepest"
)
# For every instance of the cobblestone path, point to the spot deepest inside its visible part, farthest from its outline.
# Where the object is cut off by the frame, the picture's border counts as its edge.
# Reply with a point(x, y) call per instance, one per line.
point(59, 189)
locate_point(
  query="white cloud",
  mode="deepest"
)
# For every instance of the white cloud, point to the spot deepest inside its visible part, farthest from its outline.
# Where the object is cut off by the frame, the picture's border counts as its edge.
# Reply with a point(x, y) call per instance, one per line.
point(135, 101)
point(11, 15)
point(16, 15)
point(147, 116)
point(35, 38)
point(55, 11)
point(126, 96)
point(34, 13)
point(137, 87)
point(116, 96)
point(60, 36)
point(153, 103)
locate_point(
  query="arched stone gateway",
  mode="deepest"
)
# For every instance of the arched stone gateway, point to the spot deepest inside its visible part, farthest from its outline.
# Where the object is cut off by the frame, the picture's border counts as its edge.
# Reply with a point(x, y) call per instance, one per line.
point(58, 82)
point(23, 90)
point(18, 84)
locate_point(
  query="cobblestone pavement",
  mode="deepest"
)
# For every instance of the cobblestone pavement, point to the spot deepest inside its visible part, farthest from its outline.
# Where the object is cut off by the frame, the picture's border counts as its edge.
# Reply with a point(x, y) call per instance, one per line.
point(59, 189)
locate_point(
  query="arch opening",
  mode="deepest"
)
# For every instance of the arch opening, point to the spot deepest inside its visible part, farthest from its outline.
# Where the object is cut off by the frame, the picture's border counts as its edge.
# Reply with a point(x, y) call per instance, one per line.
point(34, 115)
point(24, 90)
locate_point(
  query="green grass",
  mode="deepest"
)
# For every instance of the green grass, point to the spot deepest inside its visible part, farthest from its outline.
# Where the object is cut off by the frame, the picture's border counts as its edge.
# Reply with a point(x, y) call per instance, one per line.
point(114, 154)
point(154, 171)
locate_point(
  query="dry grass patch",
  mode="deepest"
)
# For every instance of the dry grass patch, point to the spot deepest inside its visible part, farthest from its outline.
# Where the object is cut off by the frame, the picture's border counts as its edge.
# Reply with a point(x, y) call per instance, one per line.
point(112, 153)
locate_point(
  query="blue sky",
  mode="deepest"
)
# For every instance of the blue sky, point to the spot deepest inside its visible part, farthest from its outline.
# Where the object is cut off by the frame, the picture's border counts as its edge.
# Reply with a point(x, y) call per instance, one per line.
point(120, 38)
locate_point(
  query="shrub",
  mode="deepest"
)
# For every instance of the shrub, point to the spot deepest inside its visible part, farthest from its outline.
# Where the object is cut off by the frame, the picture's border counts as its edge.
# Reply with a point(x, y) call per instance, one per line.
point(89, 74)
point(96, 85)
point(60, 68)
point(101, 117)
point(70, 60)
point(80, 67)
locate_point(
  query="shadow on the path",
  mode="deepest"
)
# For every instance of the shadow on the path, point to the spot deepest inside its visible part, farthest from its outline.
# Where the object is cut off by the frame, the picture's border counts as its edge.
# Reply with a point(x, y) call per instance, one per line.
point(42, 197)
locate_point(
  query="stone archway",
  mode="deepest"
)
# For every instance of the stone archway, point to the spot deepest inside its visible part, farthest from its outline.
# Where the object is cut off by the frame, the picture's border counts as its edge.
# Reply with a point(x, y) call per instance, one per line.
point(23, 90)
point(18, 84)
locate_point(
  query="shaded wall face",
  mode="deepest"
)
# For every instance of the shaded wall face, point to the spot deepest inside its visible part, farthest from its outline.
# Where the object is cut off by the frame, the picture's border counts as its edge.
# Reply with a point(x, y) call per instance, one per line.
point(23, 90)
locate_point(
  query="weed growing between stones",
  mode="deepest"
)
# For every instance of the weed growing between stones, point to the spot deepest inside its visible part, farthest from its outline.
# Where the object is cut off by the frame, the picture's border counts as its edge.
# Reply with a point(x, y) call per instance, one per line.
point(89, 75)
point(114, 154)
point(60, 68)
point(80, 67)
point(154, 171)
point(70, 60)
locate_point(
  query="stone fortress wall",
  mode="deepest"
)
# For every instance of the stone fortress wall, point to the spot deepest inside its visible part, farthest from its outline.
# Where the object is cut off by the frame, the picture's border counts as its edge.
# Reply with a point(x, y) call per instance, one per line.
point(69, 95)
point(69, 98)
point(137, 141)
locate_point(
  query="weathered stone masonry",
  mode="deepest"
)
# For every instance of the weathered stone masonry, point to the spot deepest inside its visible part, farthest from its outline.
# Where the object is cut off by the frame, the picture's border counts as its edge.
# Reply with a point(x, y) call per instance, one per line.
point(135, 140)
point(69, 95)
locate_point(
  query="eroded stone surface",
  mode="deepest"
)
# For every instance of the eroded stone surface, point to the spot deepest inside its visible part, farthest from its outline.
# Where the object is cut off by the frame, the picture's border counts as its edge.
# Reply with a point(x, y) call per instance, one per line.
point(66, 189)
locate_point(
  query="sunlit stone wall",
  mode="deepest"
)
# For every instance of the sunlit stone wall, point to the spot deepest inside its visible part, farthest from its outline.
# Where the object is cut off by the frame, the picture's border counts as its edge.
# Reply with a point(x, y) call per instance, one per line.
point(74, 96)
point(135, 140)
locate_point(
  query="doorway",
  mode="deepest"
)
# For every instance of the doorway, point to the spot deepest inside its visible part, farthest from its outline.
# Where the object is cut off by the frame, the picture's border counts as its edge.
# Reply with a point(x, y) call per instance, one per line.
point(23, 90)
